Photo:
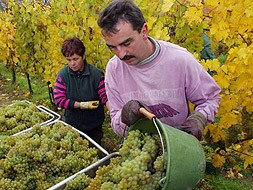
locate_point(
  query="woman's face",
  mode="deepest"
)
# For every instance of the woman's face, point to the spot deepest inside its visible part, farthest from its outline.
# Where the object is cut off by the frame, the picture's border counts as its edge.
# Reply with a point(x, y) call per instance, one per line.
point(75, 62)
point(129, 45)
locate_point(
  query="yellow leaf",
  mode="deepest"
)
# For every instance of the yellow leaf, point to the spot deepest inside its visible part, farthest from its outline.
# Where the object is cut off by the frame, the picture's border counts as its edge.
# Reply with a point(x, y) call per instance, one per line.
point(15, 59)
point(4, 46)
point(222, 80)
point(215, 132)
point(231, 69)
point(166, 6)
point(220, 30)
point(248, 160)
point(213, 2)
point(195, 2)
point(91, 22)
point(150, 21)
point(29, 8)
point(228, 120)
point(194, 14)
point(213, 65)
point(224, 68)
point(218, 160)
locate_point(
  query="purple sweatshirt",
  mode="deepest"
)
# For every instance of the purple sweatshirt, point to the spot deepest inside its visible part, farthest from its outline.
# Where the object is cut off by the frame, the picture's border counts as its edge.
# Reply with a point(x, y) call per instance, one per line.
point(169, 82)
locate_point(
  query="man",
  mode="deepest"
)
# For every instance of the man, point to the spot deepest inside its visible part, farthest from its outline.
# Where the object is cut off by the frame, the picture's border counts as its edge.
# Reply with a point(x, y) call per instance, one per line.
point(161, 76)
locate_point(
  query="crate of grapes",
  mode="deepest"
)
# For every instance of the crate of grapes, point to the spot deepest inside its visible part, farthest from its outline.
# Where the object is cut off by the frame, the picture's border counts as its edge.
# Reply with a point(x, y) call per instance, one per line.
point(137, 165)
point(19, 116)
point(45, 155)
point(82, 179)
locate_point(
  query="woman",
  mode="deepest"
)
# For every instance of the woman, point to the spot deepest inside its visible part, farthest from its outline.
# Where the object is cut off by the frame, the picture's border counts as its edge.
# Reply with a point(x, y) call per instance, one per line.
point(80, 90)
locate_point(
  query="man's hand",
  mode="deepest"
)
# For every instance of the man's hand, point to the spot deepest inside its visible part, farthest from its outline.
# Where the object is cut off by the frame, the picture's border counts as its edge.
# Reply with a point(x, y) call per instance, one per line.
point(194, 124)
point(89, 105)
point(130, 113)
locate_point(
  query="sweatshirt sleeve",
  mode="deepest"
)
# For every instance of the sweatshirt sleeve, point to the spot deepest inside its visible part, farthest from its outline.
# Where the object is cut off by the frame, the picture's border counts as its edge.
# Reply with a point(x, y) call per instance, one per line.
point(60, 96)
point(202, 90)
point(101, 89)
point(115, 103)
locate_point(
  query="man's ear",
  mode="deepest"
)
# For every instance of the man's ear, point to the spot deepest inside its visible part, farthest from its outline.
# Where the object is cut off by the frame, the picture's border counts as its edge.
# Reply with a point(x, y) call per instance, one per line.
point(144, 31)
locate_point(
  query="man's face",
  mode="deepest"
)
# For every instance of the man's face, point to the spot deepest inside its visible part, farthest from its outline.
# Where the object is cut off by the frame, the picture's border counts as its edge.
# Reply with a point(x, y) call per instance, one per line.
point(129, 45)
point(75, 62)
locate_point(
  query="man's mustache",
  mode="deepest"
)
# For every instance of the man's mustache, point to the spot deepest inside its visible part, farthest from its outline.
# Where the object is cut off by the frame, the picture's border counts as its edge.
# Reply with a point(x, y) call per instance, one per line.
point(126, 57)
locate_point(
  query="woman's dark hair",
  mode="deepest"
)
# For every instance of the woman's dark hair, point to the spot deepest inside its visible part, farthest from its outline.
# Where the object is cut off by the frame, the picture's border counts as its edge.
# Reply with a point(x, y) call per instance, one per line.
point(120, 9)
point(73, 46)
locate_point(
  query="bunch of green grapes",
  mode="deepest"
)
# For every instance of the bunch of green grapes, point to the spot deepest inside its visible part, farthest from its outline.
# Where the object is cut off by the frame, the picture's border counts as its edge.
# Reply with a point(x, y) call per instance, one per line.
point(80, 182)
point(43, 156)
point(19, 116)
point(140, 165)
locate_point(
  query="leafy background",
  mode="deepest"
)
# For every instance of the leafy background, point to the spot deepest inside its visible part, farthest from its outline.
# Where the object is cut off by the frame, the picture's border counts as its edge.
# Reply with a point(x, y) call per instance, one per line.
point(32, 33)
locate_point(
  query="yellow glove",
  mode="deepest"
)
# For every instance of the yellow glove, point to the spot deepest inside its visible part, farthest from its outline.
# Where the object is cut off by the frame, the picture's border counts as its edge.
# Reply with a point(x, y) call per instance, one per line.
point(89, 105)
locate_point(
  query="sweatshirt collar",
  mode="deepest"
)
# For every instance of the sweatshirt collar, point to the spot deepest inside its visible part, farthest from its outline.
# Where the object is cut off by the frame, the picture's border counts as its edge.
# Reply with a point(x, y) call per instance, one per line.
point(154, 55)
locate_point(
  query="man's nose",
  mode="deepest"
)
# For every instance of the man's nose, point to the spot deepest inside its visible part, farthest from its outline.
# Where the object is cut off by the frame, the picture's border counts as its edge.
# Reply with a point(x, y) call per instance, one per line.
point(120, 52)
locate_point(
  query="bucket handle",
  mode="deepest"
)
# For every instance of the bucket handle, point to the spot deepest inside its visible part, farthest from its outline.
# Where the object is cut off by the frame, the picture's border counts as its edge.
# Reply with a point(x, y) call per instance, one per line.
point(152, 117)
point(146, 113)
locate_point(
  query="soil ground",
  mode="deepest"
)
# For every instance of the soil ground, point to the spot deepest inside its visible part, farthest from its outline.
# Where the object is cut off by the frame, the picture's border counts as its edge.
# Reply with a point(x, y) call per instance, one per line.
point(7, 97)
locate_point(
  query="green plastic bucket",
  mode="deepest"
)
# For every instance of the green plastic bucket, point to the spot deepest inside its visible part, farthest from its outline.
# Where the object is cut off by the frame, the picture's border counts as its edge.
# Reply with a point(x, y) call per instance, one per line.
point(186, 161)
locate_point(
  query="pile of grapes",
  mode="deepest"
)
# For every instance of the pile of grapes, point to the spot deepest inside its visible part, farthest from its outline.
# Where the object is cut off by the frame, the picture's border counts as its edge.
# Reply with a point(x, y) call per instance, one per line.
point(19, 116)
point(43, 156)
point(139, 166)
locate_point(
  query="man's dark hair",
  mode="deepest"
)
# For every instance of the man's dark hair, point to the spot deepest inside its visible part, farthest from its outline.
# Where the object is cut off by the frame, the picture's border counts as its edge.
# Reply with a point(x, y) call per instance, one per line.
point(73, 46)
point(120, 9)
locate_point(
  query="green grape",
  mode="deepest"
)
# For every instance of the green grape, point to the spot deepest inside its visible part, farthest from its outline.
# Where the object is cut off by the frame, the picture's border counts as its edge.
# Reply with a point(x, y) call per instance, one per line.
point(10, 112)
point(2, 119)
point(139, 166)
point(12, 185)
point(136, 169)
point(133, 142)
point(19, 116)
point(80, 144)
point(154, 182)
point(95, 184)
point(108, 186)
point(80, 182)
point(160, 163)
point(111, 171)
point(11, 123)
point(4, 149)
point(150, 146)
